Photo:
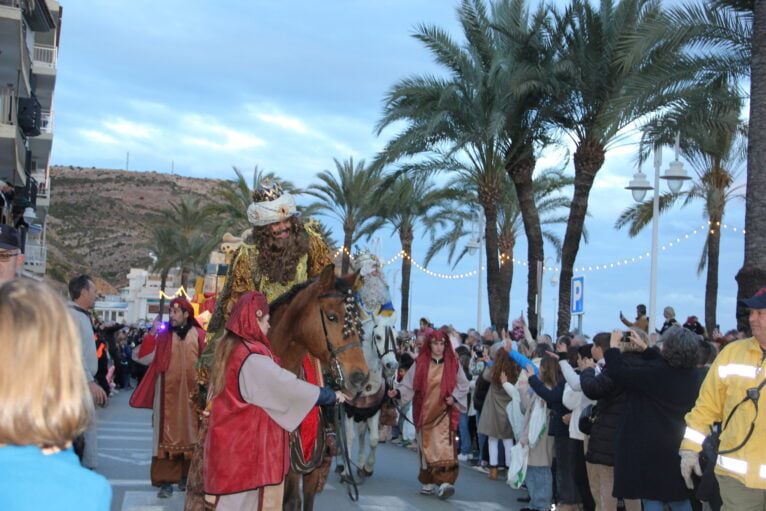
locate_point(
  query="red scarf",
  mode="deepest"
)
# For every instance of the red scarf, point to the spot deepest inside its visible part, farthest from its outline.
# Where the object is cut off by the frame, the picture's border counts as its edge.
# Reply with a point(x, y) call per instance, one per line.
point(449, 377)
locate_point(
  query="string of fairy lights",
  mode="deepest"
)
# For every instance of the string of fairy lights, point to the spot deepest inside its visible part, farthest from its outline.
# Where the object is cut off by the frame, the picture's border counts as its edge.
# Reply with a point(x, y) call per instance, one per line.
point(505, 258)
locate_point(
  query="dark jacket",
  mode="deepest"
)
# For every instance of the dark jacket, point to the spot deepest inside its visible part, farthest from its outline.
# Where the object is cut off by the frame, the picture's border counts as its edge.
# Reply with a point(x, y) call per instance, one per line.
point(611, 398)
point(554, 398)
point(652, 426)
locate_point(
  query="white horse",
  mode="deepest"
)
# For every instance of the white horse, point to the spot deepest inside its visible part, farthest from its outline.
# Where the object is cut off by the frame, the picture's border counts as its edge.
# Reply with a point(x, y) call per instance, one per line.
point(363, 413)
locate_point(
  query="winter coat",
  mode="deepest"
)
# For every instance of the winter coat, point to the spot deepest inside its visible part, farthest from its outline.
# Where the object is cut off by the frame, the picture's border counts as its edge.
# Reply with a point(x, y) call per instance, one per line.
point(610, 397)
point(554, 399)
point(494, 419)
point(652, 425)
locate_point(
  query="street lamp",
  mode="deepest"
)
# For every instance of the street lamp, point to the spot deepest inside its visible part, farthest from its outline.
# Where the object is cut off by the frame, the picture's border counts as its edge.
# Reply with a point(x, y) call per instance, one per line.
point(638, 186)
point(554, 284)
point(473, 245)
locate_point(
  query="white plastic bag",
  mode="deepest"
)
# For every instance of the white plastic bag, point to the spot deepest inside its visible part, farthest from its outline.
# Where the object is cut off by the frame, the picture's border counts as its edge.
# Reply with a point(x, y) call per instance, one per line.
point(513, 410)
point(538, 422)
point(517, 468)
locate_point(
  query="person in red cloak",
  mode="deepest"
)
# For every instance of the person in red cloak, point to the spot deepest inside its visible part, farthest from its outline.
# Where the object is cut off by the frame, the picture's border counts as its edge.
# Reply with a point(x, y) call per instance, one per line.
point(438, 389)
point(255, 404)
point(171, 350)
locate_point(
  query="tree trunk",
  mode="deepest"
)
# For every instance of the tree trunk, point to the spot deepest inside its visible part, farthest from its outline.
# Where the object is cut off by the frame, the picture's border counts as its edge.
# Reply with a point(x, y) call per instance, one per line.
point(494, 288)
point(505, 278)
point(348, 233)
point(163, 284)
point(520, 172)
point(588, 159)
point(752, 275)
point(185, 273)
point(404, 311)
point(711, 283)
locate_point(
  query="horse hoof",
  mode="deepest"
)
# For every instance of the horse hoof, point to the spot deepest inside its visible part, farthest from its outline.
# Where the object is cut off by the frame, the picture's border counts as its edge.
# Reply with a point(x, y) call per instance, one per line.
point(339, 469)
point(363, 473)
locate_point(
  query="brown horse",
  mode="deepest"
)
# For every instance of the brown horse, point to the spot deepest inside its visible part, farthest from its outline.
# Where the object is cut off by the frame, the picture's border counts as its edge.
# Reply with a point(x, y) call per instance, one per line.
point(318, 317)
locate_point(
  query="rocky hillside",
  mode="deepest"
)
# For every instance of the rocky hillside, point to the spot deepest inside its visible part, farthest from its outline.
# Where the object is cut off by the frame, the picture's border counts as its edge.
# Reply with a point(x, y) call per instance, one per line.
point(99, 219)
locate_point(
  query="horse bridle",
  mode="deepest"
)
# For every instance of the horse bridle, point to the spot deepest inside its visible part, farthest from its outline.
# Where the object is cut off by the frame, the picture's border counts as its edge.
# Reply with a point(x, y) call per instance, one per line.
point(350, 321)
point(388, 346)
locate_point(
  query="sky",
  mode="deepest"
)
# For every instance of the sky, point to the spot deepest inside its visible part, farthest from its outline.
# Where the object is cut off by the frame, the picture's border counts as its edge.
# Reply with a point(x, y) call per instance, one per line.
point(198, 88)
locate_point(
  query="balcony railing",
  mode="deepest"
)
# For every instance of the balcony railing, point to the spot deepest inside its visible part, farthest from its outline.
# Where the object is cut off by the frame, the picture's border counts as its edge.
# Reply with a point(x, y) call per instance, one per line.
point(36, 255)
point(46, 122)
point(44, 55)
point(8, 105)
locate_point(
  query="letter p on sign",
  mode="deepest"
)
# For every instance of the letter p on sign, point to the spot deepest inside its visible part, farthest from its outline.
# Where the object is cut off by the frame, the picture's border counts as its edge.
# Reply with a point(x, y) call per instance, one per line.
point(578, 295)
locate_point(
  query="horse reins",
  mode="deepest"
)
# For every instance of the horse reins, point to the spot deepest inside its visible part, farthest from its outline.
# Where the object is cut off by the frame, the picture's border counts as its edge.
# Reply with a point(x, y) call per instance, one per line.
point(350, 320)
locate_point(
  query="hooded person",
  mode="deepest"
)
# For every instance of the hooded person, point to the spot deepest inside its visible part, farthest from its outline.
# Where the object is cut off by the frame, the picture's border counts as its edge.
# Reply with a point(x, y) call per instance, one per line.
point(256, 403)
point(171, 350)
point(438, 389)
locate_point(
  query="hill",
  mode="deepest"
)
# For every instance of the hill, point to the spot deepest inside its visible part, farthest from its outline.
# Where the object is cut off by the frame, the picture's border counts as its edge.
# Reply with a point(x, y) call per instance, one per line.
point(99, 219)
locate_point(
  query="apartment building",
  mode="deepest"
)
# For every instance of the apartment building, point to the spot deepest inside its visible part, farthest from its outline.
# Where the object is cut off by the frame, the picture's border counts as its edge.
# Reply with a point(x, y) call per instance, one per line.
point(29, 42)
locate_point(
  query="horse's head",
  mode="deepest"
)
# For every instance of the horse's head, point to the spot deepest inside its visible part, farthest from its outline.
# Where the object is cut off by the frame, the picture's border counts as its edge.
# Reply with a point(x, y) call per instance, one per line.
point(383, 340)
point(332, 331)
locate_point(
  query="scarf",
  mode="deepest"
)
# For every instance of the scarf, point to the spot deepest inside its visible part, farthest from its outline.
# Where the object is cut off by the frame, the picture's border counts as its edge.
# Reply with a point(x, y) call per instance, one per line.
point(182, 330)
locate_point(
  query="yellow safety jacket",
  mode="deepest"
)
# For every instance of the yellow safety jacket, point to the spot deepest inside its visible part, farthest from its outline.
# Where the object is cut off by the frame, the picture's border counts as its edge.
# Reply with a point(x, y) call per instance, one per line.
point(739, 367)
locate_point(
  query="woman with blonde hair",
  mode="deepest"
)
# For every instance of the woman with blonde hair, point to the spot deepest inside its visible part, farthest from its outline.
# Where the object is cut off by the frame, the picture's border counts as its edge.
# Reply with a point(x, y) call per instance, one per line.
point(44, 404)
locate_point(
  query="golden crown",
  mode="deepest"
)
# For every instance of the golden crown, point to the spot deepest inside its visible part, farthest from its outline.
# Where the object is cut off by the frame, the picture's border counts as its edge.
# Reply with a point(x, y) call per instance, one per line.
point(267, 192)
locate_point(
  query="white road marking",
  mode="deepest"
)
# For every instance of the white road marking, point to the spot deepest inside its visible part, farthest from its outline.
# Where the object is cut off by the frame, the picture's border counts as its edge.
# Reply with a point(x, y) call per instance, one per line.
point(130, 482)
point(123, 459)
point(110, 437)
point(104, 427)
point(148, 501)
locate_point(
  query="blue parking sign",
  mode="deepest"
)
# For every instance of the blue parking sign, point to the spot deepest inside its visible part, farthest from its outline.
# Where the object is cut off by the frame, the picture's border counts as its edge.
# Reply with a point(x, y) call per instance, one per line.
point(578, 295)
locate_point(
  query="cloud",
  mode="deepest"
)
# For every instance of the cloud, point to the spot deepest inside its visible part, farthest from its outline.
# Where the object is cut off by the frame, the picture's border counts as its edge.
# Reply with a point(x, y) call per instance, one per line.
point(129, 129)
point(229, 140)
point(98, 137)
point(284, 121)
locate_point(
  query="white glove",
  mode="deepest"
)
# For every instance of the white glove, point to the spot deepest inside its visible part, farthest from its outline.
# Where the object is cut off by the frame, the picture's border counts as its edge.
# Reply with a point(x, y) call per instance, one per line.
point(690, 461)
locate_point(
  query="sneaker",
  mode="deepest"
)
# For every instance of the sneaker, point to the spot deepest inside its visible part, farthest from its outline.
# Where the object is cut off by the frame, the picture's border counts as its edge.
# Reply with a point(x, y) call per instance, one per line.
point(445, 491)
point(463, 457)
point(428, 489)
point(482, 469)
point(182, 484)
point(397, 440)
point(166, 491)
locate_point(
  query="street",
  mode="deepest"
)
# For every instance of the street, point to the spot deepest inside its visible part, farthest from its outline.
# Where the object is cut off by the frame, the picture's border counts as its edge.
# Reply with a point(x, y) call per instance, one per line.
point(125, 454)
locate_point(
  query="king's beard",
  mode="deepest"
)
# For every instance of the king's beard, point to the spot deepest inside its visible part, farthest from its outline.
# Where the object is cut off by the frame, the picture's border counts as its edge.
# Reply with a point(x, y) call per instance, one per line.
point(278, 257)
point(374, 292)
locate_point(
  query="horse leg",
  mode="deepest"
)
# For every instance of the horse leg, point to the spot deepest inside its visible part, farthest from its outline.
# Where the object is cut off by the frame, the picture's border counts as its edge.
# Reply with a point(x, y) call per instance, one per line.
point(310, 482)
point(292, 497)
point(374, 423)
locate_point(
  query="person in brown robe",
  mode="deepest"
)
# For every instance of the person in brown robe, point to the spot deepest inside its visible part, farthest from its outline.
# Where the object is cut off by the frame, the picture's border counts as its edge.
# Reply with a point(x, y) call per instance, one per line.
point(172, 352)
point(438, 389)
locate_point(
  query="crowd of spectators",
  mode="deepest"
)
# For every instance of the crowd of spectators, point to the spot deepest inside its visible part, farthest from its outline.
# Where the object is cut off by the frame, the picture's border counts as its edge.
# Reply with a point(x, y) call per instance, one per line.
point(600, 419)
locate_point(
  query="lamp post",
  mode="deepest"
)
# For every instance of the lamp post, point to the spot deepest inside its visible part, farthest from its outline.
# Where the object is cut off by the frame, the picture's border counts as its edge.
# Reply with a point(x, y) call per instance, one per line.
point(638, 186)
point(475, 244)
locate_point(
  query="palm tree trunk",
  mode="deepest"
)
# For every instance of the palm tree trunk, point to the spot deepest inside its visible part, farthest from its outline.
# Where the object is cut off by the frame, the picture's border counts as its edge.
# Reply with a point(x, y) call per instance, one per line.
point(404, 310)
point(505, 278)
point(752, 275)
point(711, 283)
point(185, 273)
point(348, 233)
point(588, 159)
point(163, 284)
point(494, 287)
point(521, 175)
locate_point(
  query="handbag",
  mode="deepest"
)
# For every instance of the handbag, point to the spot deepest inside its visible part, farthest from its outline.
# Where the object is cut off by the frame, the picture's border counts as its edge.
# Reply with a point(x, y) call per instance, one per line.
point(538, 422)
point(587, 418)
point(517, 468)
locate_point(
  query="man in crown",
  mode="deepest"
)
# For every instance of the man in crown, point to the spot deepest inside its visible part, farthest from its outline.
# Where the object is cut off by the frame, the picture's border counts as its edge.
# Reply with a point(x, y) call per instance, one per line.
point(371, 289)
point(283, 250)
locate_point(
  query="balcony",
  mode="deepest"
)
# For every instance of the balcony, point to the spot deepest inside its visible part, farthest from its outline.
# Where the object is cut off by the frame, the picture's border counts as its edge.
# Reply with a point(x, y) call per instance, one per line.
point(10, 3)
point(36, 254)
point(46, 122)
point(44, 56)
point(12, 145)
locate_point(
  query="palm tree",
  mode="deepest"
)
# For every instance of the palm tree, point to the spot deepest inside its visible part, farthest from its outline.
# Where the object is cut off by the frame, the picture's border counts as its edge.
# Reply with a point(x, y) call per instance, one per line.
point(233, 197)
point(529, 72)
point(193, 235)
point(404, 204)
point(350, 197)
point(458, 121)
point(163, 258)
point(449, 225)
point(621, 70)
point(716, 157)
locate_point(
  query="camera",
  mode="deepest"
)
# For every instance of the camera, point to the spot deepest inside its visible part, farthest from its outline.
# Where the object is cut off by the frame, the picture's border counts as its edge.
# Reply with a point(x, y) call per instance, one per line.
point(478, 350)
point(626, 336)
